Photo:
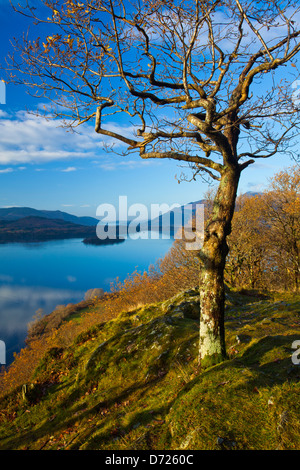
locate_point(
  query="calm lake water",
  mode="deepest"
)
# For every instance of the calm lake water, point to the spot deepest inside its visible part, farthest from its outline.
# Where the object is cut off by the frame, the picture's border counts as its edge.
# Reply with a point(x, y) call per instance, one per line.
point(43, 275)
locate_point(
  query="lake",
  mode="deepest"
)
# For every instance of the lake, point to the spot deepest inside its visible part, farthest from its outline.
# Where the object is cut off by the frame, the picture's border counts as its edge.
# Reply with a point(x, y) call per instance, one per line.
point(43, 275)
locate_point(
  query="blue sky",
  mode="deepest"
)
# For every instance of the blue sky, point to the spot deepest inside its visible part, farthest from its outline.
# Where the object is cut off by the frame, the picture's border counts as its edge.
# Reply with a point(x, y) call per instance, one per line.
point(45, 167)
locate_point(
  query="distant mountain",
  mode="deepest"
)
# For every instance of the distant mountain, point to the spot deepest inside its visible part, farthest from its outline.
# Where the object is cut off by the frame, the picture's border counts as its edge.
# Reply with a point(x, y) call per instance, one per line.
point(252, 193)
point(15, 213)
point(25, 224)
point(171, 220)
point(167, 223)
point(90, 221)
point(32, 223)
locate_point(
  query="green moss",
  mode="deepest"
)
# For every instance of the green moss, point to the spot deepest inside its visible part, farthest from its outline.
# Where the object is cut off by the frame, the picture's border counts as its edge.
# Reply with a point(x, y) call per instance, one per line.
point(134, 383)
point(212, 360)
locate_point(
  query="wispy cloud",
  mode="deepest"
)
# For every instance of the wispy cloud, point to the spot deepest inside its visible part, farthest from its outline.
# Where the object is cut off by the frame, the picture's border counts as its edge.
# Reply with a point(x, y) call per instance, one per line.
point(69, 169)
point(129, 164)
point(107, 166)
point(10, 169)
point(26, 138)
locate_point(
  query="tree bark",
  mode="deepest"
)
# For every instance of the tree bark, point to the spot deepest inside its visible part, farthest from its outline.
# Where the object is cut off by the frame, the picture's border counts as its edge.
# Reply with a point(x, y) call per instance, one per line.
point(213, 257)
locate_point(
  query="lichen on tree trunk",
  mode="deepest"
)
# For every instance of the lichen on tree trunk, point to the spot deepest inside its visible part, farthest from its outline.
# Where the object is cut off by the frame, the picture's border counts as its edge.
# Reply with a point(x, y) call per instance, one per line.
point(212, 299)
point(213, 255)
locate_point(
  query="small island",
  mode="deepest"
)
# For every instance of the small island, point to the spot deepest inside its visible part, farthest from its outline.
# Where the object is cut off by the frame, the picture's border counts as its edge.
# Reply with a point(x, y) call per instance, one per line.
point(97, 241)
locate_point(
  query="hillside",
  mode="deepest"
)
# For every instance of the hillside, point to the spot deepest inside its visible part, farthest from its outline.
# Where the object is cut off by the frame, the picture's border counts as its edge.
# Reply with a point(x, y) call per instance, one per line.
point(35, 229)
point(31, 228)
point(15, 213)
point(133, 382)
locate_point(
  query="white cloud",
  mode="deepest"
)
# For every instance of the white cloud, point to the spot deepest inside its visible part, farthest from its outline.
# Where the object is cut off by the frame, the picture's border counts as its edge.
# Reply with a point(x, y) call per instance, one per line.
point(27, 138)
point(130, 164)
point(70, 168)
point(108, 166)
point(6, 170)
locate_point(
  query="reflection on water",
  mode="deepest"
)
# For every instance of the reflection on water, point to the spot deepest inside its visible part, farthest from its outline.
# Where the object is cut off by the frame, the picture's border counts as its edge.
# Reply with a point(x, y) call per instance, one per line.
point(18, 304)
point(43, 275)
point(17, 301)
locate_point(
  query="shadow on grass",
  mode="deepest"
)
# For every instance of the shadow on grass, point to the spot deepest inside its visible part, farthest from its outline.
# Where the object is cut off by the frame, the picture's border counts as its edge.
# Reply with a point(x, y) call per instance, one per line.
point(63, 420)
point(270, 373)
point(252, 294)
point(272, 370)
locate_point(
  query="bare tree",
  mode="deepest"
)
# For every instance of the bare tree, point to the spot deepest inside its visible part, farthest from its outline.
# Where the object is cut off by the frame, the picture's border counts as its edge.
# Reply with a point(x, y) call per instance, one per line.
point(202, 82)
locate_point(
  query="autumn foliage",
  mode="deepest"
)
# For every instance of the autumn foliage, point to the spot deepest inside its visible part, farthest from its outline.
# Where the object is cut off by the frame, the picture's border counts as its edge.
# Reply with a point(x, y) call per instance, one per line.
point(265, 239)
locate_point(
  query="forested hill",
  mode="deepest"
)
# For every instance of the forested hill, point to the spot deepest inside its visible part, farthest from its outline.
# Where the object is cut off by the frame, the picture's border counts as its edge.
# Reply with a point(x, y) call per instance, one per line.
point(15, 213)
point(40, 228)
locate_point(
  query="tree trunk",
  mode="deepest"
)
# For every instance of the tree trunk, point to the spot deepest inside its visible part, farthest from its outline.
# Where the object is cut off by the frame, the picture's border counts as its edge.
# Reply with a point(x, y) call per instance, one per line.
point(213, 257)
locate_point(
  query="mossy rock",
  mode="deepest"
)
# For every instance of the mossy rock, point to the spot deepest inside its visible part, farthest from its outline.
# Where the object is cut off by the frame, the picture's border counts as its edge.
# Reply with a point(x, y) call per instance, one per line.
point(53, 355)
point(185, 305)
point(31, 393)
point(85, 336)
point(147, 350)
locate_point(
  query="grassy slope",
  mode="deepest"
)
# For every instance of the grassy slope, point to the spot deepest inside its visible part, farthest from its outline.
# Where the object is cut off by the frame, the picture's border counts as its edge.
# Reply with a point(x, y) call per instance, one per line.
point(132, 383)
